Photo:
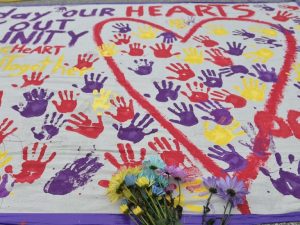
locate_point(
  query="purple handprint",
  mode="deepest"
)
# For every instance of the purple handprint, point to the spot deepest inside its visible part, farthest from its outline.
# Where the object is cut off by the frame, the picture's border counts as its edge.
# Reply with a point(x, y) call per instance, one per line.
point(234, 49)
point(246, 35)
point(186, 115)
point(50, 129)
point(3, 190)
point(264, 74)
point(73, 176)
point(269, 41)
point(251, 134)
point(122, 28)
point(91, 84)
point(235, 161)
point(135, 132)
point(211, 78)
point(297, 20)
point(143, 67)
point(37, 102)
point(288, 183)
point(234, 69)
point(168, 37)
point(220, 115)
point(166, 92)
point(265, 7)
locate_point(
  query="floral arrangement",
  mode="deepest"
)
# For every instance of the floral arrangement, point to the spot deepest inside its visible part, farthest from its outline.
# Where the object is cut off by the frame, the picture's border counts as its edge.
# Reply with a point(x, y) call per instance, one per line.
point(150, 194)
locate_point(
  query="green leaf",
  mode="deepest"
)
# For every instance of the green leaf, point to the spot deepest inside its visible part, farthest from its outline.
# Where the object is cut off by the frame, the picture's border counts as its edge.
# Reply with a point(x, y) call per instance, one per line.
point(211, 221)
point(162, 222)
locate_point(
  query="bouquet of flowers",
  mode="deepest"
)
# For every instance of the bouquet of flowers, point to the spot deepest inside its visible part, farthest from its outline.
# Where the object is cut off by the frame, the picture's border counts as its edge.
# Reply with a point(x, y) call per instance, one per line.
point(148, 192)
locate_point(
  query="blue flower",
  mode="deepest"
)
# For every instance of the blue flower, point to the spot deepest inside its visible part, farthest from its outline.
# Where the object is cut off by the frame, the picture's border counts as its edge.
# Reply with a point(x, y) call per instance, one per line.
point(158, 191)
point(211, 184)
point(130, 180)
point(154, 163)
point(150, 174)
point(161, 181)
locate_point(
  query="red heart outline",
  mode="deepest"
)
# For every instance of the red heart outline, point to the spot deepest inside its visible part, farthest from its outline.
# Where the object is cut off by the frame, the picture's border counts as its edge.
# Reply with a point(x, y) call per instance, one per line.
point(271, 106)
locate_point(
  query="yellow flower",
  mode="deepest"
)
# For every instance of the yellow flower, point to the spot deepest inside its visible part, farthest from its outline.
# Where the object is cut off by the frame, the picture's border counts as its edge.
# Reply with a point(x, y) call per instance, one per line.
point(143, 182)
point(124, 209)
point(137, 211)
point(115, 190)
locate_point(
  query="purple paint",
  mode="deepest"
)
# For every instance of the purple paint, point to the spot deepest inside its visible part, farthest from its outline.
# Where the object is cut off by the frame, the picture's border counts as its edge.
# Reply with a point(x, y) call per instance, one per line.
point(245, 34)
point(122, 28)
point(288, 183)
point(264, 73)
point(143, 67)
point(211, 78)
point(267, 41)
point(232, 70)
point(235, 49)
point(93, 83)
point(165, 91)
point(3, 191)
point(73, 176)
point(220, 115)
point(135, 132)
point(36, 103)
point(235, 161)
point(186, 116)
point(168, 37)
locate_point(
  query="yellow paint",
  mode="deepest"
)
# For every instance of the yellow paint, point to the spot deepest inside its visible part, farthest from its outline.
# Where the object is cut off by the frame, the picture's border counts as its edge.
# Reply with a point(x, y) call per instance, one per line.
point(264, 31)
point(108, 50)
point(193, 56)
point(297, 27)
point(217, 30)
point(101, 100)
point(262, 55)
point(296, 68)
point(4, 158)
point(252, 90)
point(177, 23)
point(221, 135)
point(146, 32)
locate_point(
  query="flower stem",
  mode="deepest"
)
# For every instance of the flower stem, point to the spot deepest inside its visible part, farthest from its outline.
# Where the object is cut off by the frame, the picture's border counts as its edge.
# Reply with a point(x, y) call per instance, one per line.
point(205, 212)
point(229, 213)
point(225, 217)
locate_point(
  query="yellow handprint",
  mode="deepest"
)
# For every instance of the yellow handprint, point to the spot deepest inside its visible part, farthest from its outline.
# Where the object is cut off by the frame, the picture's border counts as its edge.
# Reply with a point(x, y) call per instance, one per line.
point(177, 23)
point(101, 100)
point(4, 158)
point(146, 32)
point(221, 135)
point(193, 56)
point(262, 55)
point(108, 50)
point(252, 89)
point(296, 68)
point(217, 30)
point(267, 32)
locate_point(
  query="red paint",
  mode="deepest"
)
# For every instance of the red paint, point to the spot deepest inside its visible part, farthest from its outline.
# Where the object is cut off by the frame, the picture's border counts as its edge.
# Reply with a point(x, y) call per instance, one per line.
point(206, 41)
point(183, 71)
point(32, 169)
point(85, 61)
point(155, 10)
point(248, 174)
point(179, 10)
point(1, 96)
point(244, 8)
point(104, 183)
point(201, 10)
point(124, 112)
point(283, 16)
point(130, 11)
point(121, 39)
point(67, 103)
point(8, 169)
point(6, 123)
point(290, 7)
point(135, 49)
point(226, 96)
point(293, 120)
point(34, 80)
point(218, 58)
point(83, 125)
point(198, 94)
point(127, 157)
point(163, 51)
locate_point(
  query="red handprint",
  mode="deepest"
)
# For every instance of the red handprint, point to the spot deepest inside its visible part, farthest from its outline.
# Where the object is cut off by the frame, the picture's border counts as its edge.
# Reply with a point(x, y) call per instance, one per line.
point(135, 49)
point(34, 168)
point(34, 80)
point(199, 94)
point(172, 156)
point(124, 112)
point(85, 126)
point(206, 41)
point(127, 156)
point(121, 39)
point(1, 95)
point(283, 16)
point(3, 129)
point(218, 58)
point(163, 51)
point(85, 61)
point(290, 7)
point(184, 72)
point(67, 104)
point(226, 96)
